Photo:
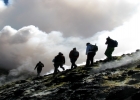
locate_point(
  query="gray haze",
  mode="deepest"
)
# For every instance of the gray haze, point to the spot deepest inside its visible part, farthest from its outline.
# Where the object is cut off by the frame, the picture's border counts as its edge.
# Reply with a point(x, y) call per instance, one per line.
point(36, 30)
point(71, 17)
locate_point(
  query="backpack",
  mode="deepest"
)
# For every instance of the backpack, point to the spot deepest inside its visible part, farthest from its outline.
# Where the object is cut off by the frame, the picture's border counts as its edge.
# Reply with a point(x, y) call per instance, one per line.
point(75, 53)
point(94, 48)
point(114, 43)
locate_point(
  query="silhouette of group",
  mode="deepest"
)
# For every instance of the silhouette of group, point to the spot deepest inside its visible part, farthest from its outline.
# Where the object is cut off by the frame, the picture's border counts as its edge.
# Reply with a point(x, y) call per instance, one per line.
point(59, 60)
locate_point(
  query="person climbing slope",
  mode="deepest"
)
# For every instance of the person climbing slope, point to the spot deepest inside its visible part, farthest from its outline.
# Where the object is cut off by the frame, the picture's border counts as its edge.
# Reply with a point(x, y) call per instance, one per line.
point(111, 44)
point(59, 61)
point(73, 55)
point(39, 66)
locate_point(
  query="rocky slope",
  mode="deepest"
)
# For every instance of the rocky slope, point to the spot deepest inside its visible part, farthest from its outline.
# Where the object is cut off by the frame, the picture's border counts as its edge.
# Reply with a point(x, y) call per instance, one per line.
point(98, 82)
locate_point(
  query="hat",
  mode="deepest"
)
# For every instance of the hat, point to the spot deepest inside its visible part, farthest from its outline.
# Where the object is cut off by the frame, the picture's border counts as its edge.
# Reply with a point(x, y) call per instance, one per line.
point(88, 43)
point(74, 48)
point(60, 53)
point(108, 37)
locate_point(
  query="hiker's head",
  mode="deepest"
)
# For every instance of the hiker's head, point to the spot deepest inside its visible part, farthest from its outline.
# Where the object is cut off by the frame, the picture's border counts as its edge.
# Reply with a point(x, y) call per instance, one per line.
point(87, 44)
point(60, 53)
point(108, 38)
point(74, 49)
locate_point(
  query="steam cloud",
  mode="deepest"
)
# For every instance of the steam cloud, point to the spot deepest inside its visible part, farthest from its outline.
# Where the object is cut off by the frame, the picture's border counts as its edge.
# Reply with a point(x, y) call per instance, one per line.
point(127, 59)
point(73, 18)
point(37, 30)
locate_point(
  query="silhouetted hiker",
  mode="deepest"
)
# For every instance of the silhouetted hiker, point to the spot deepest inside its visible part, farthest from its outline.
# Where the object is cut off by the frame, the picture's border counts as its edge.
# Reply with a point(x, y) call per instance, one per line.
point(59, 60)
point(73, 55)
point(111, 44)
point(90, 52)
point(39, 66)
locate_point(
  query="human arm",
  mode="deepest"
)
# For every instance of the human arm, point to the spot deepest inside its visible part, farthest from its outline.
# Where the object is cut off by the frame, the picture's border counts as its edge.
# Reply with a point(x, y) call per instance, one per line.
point(35, 66)
point(87, 50)
point(42, 65)
point(106, 42)
point(63, 60)
point(78, 54)
point(70, 54)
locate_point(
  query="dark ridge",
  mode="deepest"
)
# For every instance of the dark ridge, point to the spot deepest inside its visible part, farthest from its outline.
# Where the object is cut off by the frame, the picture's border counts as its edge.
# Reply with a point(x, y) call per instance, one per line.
point(81, 83)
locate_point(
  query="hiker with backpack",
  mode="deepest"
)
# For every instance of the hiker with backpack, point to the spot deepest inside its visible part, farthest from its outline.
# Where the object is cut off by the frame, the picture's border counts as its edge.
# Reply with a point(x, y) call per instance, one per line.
point(111, 44)
point(90, 52)
point(73, 55)
point(39, 66)
point(59, 60)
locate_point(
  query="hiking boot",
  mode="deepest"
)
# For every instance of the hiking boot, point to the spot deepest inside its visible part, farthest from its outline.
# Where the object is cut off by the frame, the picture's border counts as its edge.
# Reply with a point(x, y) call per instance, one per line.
point(91, 65)
point(86, 66)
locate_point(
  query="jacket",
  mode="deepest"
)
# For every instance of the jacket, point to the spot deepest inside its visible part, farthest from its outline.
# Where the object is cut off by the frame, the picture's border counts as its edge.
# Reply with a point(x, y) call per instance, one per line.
point(59, 59)
point(109, 42)
point(88, 49)
point(73, 54)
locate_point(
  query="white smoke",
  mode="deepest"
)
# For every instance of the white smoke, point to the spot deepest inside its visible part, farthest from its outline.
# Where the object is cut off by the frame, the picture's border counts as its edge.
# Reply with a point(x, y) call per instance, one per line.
point(71, 17)
point(17, 46)
point(126, 60)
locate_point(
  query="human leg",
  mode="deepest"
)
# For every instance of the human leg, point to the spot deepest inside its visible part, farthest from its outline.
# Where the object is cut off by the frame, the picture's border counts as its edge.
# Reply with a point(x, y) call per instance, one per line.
point(55, 68)
point(109, 52)
point(39, 71)
point(92, 58)
point(73, 63)
point(88, 59)
point(61, 66)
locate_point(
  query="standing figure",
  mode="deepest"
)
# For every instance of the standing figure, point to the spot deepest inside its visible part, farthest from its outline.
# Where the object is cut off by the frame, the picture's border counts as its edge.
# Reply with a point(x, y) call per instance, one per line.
point(90, 52)
point(39, 66)
point(59, 60)
point(111, 44)
point(73, 55)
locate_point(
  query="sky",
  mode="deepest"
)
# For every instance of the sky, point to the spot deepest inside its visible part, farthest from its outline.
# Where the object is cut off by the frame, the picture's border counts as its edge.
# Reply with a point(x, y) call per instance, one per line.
point(37, 30)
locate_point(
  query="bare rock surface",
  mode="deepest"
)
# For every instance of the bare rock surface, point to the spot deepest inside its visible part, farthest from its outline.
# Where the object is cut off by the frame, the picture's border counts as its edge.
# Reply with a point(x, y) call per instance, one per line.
point(97, 82)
